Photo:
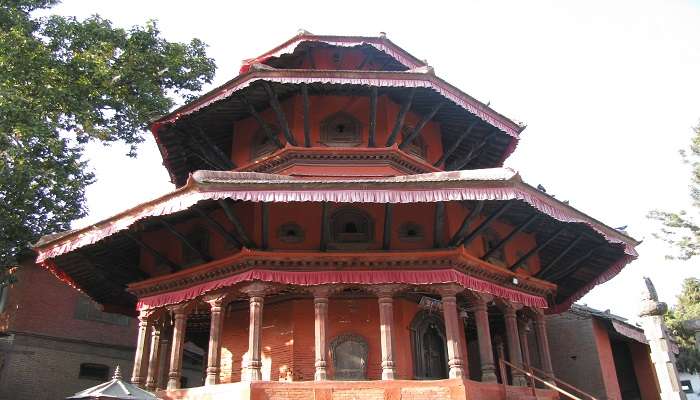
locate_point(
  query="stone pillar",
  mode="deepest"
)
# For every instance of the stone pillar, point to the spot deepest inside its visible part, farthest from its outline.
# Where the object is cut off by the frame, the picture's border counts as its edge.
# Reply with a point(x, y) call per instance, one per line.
point(177, 346)
point(523, 331)
point(385, 295)
point(256, 293)
point(514, 350)
point(543, 343)
point(153, 359)
point(140, 357)
point(216, 304)
point(320, 324)
point(481, 317)
point(449, 308)
point(661, 355)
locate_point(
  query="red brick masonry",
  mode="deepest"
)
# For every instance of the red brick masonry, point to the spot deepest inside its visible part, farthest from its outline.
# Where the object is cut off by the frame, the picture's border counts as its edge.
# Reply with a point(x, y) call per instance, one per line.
point(447, 389)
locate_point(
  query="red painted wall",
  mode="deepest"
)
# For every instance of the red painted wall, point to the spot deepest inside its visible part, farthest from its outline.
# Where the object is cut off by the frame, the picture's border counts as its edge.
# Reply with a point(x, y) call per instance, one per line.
point(288, 337)
point(644, 371)
point(322, 107)
point(308, 217)
point(607, 363)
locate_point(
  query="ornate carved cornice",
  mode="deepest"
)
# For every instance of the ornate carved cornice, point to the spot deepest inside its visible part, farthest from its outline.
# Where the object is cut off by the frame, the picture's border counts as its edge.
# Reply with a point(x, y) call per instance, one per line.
point(290, 156)
point(456, 259)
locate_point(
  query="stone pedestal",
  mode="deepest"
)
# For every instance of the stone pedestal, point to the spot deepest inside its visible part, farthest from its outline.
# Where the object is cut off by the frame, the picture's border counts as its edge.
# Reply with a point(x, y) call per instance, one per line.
point(657, 336)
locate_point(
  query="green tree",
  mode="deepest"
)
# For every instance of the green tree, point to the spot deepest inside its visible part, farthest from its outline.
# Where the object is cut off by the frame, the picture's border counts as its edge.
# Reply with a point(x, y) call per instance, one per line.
point(688, 308)
point(63, 83)
point(680, 229)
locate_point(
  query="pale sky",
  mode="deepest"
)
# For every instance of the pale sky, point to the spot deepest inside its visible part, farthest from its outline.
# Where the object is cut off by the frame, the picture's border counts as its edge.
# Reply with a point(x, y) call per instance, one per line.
point(609, 91)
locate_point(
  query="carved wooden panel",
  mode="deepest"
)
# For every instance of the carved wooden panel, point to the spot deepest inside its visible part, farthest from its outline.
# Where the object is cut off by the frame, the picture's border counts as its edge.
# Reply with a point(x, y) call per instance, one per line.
point(341, 130)
point(429, 346)
point(411, 232)
point(350, 225)
point(290, 233)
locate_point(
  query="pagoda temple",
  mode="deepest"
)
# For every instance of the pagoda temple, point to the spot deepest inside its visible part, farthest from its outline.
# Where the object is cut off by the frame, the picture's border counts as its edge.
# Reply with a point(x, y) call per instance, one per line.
point(342, 224)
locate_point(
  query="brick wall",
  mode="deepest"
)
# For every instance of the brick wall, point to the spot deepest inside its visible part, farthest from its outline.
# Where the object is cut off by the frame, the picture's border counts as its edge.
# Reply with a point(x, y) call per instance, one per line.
point(44, 344)
point(574, 350)
point(39, 303)
point(41, 368)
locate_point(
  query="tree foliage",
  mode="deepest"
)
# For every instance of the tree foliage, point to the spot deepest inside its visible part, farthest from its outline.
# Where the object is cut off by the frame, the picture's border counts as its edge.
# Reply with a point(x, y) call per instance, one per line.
point(688, 308)
point(680, 229)
point(63, 83)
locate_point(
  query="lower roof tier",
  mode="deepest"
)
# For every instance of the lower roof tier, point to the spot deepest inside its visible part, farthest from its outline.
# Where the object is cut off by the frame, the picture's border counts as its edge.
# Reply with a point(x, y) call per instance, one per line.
point(502, 227)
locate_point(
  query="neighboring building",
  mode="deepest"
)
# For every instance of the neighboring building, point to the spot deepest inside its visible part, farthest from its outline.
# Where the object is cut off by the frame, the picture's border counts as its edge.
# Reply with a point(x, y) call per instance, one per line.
point(54, 341)
point(602, 354)
point(341, 213)
point(690, 384)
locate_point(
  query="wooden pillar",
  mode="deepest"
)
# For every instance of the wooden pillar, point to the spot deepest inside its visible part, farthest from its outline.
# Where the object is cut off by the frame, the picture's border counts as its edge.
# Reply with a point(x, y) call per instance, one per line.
point(140, 357)
point(320, 324)
point(256, 292)
point(449, 308)
point(483, 331)
point(514, 351)
point(385, 295)
point(543, 343)
point(523, 331)
point(216, 304)
point(178, 345)
point(164, 359)
point(153, 359)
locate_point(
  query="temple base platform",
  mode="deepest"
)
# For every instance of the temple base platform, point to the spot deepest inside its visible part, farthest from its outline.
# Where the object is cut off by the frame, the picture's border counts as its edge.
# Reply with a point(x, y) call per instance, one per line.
point(446, 389)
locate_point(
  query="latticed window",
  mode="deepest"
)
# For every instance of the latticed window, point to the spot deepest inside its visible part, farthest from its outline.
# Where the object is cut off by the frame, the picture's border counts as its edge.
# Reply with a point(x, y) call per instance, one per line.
point(262, 144)
point(411, 232)
point(342, 130)
point(351, 226)
point(290, 233)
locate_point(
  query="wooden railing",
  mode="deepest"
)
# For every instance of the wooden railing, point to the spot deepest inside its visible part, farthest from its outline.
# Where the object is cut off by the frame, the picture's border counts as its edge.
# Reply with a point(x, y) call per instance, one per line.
point(547, 380)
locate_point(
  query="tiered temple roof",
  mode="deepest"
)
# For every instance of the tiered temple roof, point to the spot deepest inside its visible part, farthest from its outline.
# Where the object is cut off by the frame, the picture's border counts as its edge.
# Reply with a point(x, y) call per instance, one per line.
point(462, 170)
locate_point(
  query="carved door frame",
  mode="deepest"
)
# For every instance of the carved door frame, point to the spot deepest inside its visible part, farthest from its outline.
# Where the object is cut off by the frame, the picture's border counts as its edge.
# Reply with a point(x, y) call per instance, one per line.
point(421, 321)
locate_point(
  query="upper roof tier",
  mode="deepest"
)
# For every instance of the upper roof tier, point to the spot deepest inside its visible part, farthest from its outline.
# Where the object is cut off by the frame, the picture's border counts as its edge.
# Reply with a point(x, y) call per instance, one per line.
point(380, 53)
point(294, 94)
